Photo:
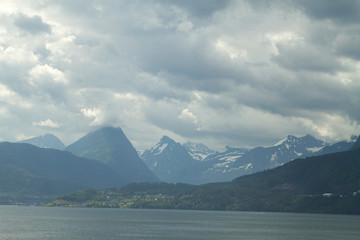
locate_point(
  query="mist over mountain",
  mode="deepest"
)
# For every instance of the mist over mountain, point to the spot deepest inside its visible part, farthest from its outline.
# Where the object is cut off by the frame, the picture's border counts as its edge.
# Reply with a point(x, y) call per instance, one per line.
point(110, 146)
point(46, 141)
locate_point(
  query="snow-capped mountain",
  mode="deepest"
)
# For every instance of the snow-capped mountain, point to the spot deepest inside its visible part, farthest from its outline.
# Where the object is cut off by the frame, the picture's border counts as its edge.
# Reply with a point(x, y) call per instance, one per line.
point(198, 151)
point(46, 141)
point(170, 161)
point(187, 163)
point(219, 165)
point(261, 158)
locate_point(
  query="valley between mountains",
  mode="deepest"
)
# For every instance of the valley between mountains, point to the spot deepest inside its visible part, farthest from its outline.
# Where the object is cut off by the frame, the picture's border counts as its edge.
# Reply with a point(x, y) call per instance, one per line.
point(43, 168)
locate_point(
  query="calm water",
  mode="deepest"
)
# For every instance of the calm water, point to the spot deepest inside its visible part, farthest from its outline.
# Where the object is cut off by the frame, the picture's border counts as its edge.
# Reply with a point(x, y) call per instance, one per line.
point(83, 223)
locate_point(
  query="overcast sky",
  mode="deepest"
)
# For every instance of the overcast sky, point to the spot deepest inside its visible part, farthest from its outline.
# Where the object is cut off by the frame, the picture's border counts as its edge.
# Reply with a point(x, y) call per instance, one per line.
point(236, 73)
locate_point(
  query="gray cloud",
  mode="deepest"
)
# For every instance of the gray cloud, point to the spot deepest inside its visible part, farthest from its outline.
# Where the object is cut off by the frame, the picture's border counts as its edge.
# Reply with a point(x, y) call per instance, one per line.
point(305, 57)
point(33, 25)
point(348, 45)
point(200, 8)
point(344, 12)
point(238, 73)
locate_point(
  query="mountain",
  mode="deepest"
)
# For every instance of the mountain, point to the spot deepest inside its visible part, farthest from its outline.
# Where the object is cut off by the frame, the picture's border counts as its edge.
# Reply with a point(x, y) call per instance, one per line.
point(46, 141)
point(282, 152)
point(171, 162)
point(198, 151)
point(356, 144)
point(321, 184)
point(110, 146)
point(235, 162)
point(220, 166)
point(341, 146)
point(337, 173)
point(28, 170)
point(197, 164)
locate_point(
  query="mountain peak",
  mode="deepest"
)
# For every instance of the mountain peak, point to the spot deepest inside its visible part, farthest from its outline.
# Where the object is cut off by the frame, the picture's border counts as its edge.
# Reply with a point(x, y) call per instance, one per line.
point(111, 146)
point(166, 139)
point(45, 141)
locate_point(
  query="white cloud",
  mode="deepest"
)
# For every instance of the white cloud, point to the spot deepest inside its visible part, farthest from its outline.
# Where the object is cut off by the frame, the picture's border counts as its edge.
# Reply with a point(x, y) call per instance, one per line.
point(47, 73)
point(95, 114)
point(47, 123)
point(187, 115)
point(17, 55)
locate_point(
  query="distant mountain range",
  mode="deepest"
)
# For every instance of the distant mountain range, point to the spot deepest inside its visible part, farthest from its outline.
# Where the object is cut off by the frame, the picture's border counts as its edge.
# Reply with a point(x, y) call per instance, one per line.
point(105, 158)
point(197, 164)
point(46, 141)
point(320, 184)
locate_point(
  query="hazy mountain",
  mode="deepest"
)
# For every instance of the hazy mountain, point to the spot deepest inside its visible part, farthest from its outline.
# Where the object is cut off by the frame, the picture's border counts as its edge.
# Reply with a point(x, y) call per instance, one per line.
point(46, 141)
point(171, 162)
point(110, 146)
point(27, 169)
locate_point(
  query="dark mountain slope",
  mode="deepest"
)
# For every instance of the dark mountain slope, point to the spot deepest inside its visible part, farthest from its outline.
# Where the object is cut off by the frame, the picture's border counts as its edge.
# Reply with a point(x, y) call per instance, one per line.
point(110, 146)
point(31, 168)
point(15, 180)
point(337, 173)
point(356, 144)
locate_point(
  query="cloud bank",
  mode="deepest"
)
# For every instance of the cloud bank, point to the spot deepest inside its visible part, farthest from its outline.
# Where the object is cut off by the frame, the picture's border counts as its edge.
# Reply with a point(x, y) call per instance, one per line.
point(238, 73)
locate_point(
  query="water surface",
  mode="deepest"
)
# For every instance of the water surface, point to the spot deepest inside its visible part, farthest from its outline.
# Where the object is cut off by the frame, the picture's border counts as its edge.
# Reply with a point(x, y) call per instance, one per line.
point(84, 223)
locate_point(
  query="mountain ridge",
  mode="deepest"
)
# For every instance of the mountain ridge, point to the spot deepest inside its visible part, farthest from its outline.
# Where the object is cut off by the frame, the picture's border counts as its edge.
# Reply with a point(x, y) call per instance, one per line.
point(224, 166)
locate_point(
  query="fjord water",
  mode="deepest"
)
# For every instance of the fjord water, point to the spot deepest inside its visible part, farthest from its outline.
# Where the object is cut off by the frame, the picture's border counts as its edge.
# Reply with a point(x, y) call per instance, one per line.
point(84, 223)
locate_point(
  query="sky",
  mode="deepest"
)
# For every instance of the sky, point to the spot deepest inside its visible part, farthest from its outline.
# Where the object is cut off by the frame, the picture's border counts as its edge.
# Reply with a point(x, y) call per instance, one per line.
point(223, 73)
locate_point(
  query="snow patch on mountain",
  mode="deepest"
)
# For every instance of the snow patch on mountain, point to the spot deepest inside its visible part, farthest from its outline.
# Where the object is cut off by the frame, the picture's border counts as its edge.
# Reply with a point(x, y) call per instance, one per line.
point(280, 142)
point(198, 151)
point(159, 148)
point(314, 149)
